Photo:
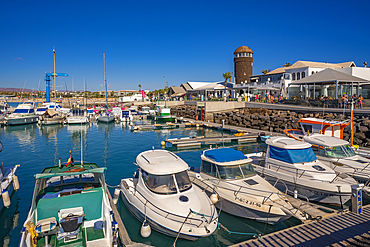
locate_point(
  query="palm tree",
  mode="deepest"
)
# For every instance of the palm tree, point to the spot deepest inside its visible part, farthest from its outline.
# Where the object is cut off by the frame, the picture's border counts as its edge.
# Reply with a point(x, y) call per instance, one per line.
point(286, 65)
point(139, 86)
point(226, 76)
point(265, 71)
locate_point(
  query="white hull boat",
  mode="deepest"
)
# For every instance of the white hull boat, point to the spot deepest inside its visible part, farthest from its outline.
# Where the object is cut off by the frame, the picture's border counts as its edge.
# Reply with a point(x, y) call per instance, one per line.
point(23, 114)
point(162, 196)
point(242, 192)
point(295, 164)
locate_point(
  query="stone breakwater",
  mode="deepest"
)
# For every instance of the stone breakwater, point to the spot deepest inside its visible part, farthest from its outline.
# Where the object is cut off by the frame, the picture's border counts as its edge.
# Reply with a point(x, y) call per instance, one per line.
point(277, 120)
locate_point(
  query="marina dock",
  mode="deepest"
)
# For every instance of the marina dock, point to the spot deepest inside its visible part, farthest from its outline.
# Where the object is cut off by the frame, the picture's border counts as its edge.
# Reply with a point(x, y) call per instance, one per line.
point(340, 229)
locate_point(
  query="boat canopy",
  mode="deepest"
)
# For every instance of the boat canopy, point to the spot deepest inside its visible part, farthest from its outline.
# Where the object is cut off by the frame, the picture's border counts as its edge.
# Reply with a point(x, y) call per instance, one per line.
point(57, 174)
point(324, 140)
point(161, 162)
point(224, 155)
point(293, 156)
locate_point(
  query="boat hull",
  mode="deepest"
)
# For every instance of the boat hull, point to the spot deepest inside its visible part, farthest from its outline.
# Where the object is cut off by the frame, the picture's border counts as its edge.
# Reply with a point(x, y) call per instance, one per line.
point(7, 183)
point(164, 118)
point(77, 120)
point(22, 120)
point(106, 119)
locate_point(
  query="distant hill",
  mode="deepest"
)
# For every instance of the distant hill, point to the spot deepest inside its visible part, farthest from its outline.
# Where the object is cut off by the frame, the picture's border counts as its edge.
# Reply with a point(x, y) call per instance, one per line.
point(18, 90)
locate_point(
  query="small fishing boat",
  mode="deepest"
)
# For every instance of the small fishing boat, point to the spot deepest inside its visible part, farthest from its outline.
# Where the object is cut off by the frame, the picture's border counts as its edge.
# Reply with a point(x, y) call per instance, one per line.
point(294, 163)
point(263, 136)
point(338, 155)
point(163, 114)
point(126, 116)
point(23, 114)
point(162, 196)
point(77, 116)
point(51, 117)
point(243, 193)
point(8, 182)
point(70, 207)
point(105, 116)
point(144, 110)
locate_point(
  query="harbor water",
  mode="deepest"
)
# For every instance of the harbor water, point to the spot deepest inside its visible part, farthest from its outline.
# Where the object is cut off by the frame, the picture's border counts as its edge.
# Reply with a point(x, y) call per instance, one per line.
point(113, 146)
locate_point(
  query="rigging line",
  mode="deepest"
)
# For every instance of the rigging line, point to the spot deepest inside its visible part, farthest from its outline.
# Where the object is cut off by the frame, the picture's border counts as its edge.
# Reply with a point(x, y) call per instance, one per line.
point(268, 215)
point(178, 233)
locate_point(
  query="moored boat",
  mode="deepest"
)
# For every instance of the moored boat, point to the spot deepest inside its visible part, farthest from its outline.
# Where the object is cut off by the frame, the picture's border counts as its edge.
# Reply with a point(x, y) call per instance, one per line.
point(162, 196)
point(243, 193)
point(77, 116)
point(340, 156)
point(23, 114)
point(70, 207)
point(163, 114)
point(8, 182)
point(294, 163)
point(51, 117)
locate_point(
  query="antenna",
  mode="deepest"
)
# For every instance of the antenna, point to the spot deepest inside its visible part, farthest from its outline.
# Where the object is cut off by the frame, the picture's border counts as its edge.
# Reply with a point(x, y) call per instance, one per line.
point(82, 162)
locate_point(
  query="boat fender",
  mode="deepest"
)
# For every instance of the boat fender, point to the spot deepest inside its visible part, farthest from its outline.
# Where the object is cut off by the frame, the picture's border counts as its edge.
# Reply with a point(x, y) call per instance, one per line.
point(15, 183)
point(30, 227)
point(6, 198)
point(145, 230)
point(116, 195)
point(214, 198)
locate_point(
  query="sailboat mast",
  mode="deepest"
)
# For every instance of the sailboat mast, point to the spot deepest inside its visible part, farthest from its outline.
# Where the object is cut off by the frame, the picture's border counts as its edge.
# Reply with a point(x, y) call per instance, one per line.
point(55, 95)
point(105, 83)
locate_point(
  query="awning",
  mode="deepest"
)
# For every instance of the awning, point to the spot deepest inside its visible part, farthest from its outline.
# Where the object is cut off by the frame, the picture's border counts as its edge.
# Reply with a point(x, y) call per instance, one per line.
point(49, 175)
point(177, 94)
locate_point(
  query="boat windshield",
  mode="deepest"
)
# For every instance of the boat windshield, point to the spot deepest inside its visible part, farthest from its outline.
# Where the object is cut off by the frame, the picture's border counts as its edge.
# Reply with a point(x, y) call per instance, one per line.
point(349, 150)
point(236, 171)
point(20, 111)
point(335, 152)
point(183, 181)
point(160, 184)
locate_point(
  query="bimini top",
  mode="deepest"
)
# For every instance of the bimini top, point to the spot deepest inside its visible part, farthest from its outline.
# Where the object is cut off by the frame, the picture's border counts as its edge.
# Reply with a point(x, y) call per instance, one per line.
point(160, 162)
point(324, 140)
point(324, 122)
point(224, 155)
point(286, 143)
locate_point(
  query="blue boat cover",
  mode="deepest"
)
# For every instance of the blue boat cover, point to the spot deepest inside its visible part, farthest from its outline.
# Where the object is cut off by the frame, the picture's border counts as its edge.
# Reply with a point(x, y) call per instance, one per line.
point(224, 155)
point(292, 155)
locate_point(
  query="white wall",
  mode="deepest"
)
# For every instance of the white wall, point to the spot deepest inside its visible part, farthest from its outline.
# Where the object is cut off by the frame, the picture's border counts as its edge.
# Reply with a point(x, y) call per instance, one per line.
point(357, 71)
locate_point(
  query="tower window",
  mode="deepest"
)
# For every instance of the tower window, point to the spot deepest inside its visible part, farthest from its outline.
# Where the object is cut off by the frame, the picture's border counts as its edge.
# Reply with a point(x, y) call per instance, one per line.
point(303, 74)
point(298, 75)
point(293, 76)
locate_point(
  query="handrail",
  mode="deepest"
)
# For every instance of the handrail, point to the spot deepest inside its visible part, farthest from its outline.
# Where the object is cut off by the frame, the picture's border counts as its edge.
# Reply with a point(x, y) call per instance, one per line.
point(169, 213)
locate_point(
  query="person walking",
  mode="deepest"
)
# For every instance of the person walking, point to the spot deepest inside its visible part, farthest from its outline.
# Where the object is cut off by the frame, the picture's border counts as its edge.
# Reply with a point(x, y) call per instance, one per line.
point(360, 101)
point(326, 101)
point(354, 100)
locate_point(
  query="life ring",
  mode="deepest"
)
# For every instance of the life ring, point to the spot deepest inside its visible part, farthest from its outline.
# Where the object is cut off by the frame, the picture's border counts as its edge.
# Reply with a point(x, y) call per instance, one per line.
point(30, 227)
point(75, 169)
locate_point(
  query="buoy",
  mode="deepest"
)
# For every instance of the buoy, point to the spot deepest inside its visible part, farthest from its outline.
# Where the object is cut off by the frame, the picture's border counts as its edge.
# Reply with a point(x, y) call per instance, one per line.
point(197, 125)
point(214, 198)
point(163, 143)
point(145, 230)
point(116, 195)
point(6, 198)
point(15, 183)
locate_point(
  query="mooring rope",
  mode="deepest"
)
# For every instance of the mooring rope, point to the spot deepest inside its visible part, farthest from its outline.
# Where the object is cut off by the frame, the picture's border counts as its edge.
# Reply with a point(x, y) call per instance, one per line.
point(255, 235)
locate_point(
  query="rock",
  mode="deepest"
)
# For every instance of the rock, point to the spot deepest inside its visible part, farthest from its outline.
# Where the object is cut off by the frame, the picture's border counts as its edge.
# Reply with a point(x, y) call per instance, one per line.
point(360, 135)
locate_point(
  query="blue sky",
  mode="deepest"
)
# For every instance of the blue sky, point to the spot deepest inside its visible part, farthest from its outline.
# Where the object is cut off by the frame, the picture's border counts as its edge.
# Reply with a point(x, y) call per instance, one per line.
point(181, 40)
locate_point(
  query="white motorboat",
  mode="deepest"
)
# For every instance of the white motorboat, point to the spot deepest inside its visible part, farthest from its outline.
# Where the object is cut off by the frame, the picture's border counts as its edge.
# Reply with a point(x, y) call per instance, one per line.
point(70, 207)
point(23, 114)
point(294, 163)
point(4, 107)
point(162, 195)
point(338, 155)
point(243, 193)
point(77, 116)
point(52, 106)
point(144, 110)
point(8, 182)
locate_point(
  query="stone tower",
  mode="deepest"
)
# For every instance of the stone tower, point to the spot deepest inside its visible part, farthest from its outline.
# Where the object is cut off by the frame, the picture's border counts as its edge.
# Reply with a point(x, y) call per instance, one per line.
point(243, 64)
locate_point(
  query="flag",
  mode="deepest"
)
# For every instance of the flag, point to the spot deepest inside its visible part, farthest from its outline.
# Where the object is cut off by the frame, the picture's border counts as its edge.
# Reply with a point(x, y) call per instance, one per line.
point(69, 161)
